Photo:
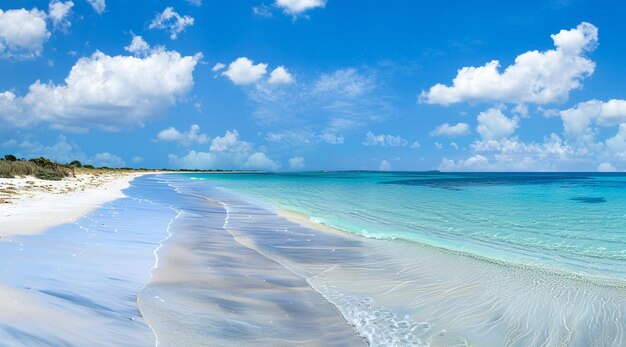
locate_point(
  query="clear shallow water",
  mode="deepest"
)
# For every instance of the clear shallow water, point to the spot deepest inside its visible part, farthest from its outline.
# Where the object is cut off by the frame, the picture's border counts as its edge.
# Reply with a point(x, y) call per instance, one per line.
point(569, 222)
point(258, 268)
point(199, 262)
point(76, 284)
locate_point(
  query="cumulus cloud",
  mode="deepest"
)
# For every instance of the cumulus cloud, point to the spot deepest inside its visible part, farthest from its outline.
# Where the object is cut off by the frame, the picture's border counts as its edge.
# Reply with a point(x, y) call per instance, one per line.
point(192, 136)
point(535, 77)
point(11, 112)
point(195, 2)
point(260, 161)
point(298, 7)
point(446, 129)
point(226, 152)
point(22, 33)
point(384, 140)
point(243, 71)
point(296, 163)
point(617, 143)
point(171, 21)
point(138, 46)
point(511, 154)
point(493, 124)
point(98, 5)
point(581, 118)
point(280, 75)
point(58, 12)
point(229, 143)
point(107, 92)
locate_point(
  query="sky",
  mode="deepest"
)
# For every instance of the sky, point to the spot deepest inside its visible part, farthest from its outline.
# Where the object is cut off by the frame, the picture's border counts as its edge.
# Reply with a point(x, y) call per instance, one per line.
point(296, 85)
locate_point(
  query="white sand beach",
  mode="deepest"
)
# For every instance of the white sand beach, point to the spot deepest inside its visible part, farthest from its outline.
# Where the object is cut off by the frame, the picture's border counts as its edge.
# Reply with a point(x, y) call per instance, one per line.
point(29, 205)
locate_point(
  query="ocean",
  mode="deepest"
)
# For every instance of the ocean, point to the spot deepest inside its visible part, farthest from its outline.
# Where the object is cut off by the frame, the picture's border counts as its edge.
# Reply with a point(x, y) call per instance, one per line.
point(335, 259)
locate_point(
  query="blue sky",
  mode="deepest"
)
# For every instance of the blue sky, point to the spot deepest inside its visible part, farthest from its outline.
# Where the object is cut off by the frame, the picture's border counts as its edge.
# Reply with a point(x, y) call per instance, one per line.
point(316, 84)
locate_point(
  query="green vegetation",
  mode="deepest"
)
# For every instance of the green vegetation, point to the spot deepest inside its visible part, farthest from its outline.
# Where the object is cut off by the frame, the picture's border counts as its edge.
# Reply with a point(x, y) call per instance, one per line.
point(46, 169)
point(39, 167)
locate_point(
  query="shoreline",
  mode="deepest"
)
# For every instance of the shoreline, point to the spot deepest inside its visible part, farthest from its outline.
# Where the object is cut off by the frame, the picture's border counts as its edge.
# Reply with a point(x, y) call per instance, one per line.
point(31, 206)
point(386, 290)
point(304, 220)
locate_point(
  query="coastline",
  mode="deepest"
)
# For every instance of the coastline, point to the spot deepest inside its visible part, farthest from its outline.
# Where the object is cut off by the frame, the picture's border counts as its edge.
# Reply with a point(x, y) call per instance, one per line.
point(389, 291)
point(304, 220)
point(31, 206)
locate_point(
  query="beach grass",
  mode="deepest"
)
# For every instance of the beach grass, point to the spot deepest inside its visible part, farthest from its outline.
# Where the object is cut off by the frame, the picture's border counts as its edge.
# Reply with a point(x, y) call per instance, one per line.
point(41, 168)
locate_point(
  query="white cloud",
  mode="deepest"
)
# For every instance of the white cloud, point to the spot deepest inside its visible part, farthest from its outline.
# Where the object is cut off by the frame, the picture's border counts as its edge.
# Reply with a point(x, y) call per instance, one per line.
point(384, 140)
point(416, 145)
point(535, 77)
point(296, 163)
point(22, 33)
point(606, 167)
point(195, 2)
point(262, 10)
point(229, 143)
point(343, 82)
point(172, 21)
point(332, 138)
point(226, 152)
point(11, 112)
point(438, 145)
point(304, 137)
point(107, 159)
point(292, 137)
point(98, 5)
point(493, 124)
point(260, 161)
point(549, 112)
point(280, 75)
point(384, 166)
point(193, 136)
point(580, 119)
point(58, 12)
point(138, 46)
point(217, 67)
point(617, 143)
point(446, 129)
point(243, 71)
point(520, 110)
point(297, 7)
point(511, 154)
point(111, 93)
point(473, 163)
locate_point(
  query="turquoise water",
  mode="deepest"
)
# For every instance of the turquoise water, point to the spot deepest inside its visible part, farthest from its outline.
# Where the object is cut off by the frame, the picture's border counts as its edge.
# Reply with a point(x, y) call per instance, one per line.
point(570, 222)
point(423, 260)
